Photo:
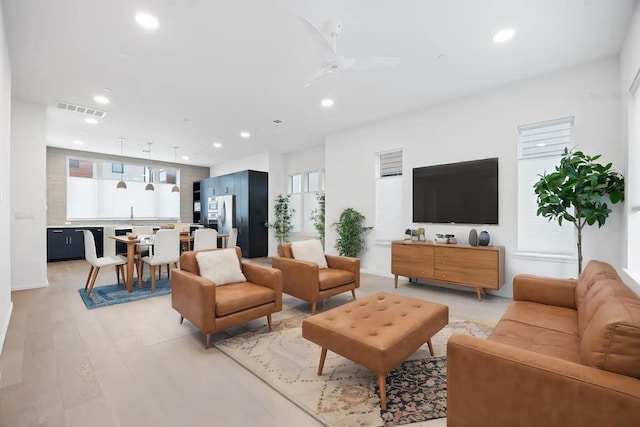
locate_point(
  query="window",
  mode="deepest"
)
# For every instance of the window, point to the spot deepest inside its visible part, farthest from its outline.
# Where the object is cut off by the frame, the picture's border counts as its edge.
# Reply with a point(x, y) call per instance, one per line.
point(388, 225)
point(92, 192)
point(303, 199)
point(541, 145)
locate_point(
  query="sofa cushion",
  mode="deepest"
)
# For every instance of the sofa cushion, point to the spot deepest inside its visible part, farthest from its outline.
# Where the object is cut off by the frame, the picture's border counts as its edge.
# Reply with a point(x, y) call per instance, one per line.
point(612, 339)
point(310, 251)
point(560, 319)
point(541, 340)
point(595, 297)
point(594, 271)
point(331, 278)
point(241, 296)
point(221, 266)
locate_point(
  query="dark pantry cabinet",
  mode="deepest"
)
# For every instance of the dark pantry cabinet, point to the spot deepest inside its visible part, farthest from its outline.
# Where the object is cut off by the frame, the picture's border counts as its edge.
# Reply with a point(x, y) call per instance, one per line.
point(251, 190)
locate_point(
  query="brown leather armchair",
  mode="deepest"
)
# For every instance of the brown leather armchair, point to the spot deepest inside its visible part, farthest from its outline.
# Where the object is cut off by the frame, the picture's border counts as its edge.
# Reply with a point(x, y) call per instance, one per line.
point(306, 281)
point(213, 308)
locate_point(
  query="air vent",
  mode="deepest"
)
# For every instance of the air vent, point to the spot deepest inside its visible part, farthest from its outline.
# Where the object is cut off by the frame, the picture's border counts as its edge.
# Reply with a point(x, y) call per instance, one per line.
point(80, 109)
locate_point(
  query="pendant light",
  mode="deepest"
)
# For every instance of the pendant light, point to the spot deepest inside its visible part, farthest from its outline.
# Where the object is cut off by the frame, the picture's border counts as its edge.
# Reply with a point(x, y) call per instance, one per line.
point(121, 184)
point(149, 186)
point(175, 188)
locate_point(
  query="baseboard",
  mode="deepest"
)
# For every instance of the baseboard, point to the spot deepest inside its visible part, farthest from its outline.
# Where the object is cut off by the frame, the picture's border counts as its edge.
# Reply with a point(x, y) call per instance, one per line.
point(27, 287)
point(4, 326)
point(376, 273)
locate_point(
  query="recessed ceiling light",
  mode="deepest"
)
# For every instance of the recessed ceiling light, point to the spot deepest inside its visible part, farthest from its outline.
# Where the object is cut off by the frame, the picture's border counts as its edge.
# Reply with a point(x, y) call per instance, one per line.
point(78, 142)
point(101, 99)
point(327, 102)
point(245, 134)
point(504, 35)
point(147, 20)
point(217, 145)
point(185, 157)
point(91, 121)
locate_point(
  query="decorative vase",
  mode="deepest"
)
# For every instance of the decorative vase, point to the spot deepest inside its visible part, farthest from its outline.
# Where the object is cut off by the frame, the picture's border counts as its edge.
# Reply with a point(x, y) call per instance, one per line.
point(473, 237)
point(484, 238)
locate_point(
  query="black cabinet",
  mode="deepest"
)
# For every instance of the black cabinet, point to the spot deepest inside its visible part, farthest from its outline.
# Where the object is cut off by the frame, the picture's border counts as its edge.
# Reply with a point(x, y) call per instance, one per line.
point(197, 203)
point(252, 205)
point(68, 243)
point(251, 190)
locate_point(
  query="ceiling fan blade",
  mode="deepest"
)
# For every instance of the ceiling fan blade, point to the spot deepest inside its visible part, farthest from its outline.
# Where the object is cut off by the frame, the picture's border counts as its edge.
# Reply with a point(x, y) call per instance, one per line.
point(320, 40)
point(371, 63)
point(318, 75)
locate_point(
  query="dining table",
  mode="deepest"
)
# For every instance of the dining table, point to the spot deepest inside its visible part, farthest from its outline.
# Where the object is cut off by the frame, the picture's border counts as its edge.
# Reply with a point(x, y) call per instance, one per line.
point(185, 239)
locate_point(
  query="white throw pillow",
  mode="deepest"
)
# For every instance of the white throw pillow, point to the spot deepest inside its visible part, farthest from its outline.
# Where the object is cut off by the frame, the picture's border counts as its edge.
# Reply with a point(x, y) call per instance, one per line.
point(311, 251)
point(221, 266)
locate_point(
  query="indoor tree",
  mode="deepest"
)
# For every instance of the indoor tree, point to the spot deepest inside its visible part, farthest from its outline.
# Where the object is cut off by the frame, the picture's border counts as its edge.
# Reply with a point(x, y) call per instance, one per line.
point(317, 216)
point(351, 232)
point(577, 192)
point(283, 214)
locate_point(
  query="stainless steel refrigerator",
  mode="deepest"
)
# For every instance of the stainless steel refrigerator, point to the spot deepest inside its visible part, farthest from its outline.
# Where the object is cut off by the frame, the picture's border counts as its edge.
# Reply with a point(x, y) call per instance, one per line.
point(221, 213)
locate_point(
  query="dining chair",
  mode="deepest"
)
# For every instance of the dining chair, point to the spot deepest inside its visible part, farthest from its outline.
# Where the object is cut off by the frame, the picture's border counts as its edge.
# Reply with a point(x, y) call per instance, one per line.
point(141, 249)
point(232, 241)
point(166, 250)
point(98, 262)
point(205, 238)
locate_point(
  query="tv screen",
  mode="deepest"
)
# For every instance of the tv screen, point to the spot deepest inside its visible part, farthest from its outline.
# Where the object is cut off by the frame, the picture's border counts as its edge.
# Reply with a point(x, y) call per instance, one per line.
point(464, 193)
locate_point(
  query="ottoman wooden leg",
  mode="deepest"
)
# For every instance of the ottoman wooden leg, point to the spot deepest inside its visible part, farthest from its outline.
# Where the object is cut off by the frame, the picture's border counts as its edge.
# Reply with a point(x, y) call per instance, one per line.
point(382, 383)
point(430, 346)
point(323, 355)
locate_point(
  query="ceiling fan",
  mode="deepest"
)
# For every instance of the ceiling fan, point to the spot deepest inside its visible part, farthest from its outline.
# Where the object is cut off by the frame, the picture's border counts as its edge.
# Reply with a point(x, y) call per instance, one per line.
point(332, 61)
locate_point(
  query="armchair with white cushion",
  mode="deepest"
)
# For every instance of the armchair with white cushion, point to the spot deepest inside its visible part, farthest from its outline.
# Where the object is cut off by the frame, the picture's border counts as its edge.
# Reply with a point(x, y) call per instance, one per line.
point(309, 274)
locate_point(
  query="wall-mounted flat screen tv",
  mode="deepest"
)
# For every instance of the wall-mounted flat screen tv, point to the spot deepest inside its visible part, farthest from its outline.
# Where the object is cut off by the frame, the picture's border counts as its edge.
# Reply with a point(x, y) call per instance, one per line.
point(464, 193)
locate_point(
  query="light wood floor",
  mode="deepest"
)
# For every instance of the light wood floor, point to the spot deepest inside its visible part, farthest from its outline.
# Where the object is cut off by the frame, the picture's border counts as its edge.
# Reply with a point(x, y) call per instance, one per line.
point(134, 365)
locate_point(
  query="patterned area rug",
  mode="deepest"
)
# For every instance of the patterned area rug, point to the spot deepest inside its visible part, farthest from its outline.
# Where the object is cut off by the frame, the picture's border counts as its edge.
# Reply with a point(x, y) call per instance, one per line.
point(102, 296)
point(346, 393)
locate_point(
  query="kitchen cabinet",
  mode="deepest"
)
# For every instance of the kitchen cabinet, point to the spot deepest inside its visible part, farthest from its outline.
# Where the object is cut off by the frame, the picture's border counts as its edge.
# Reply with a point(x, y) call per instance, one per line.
point(67, 243)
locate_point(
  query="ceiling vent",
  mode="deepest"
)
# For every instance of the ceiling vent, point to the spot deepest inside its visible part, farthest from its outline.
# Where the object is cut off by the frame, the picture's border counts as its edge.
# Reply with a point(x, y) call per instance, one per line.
point(80, 109)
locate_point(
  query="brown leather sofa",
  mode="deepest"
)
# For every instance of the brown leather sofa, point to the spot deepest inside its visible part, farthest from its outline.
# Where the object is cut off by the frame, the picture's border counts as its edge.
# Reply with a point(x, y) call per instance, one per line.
point(566, 353)
point(213, 308)
point(306, 281)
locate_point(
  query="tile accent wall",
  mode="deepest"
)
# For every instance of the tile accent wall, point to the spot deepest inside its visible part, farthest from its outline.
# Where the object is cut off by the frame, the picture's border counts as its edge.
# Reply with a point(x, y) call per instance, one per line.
point(57, 182)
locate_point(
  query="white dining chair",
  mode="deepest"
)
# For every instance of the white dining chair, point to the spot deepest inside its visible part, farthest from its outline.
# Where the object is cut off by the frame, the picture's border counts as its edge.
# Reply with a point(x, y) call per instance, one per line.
point(232, 241)
point(166, 250)
point(141, 249)
point(205, 238)
point(97, 263)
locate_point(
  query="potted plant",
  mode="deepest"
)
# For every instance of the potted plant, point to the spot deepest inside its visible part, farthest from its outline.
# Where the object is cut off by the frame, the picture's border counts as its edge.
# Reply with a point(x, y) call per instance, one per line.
point(577, 192)
point(282, 213)
point(317, 216)
point(350, 231)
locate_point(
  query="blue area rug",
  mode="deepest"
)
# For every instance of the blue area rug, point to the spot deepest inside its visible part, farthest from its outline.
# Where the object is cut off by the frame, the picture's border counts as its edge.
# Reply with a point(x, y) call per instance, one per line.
point(102, 296)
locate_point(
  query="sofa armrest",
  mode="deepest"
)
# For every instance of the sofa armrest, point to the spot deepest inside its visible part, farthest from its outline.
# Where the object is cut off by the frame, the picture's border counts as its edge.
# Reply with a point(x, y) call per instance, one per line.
point(345, 263)
point(494, 384)
point(265, 276)
point(299, 278)
point(545, 290)
point(194, 297)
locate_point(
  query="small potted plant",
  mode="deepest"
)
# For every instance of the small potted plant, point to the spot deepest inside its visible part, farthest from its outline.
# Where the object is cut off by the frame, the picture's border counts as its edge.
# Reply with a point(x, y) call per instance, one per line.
point(283, 214)
point(351, 233)
point(445, 238)
point(317, 216)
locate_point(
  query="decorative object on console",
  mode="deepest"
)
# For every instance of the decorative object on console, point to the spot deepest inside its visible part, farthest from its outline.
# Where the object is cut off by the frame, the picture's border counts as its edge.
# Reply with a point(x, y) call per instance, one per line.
point(473, 237)
point(414, 234)
point(407, 234)
point(421, 235)
point(446, 238)
point(484, 238)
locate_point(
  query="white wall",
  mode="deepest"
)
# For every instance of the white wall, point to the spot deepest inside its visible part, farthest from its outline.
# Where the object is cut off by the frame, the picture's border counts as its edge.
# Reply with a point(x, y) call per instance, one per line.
point(309, 159)
point(5, 178)
point(257, 162)
point(477, 127)
point(28, 196)
point(630, 120)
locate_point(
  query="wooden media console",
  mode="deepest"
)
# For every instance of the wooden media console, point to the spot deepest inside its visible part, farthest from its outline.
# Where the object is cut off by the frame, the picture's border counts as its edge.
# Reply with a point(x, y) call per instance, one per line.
point(479, 267)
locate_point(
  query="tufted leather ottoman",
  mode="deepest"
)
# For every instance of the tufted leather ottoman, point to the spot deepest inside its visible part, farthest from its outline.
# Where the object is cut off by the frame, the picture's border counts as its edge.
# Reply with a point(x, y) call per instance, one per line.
point(378, 332)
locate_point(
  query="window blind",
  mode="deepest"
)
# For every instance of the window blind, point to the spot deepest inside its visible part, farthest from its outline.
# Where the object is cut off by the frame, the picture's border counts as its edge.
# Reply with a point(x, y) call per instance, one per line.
point(541, 145)
point(390, 163)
